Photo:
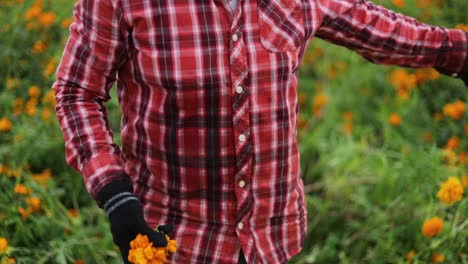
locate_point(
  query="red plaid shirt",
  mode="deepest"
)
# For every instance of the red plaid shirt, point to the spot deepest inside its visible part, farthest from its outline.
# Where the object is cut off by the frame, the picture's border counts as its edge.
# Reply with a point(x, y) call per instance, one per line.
point(209, 106)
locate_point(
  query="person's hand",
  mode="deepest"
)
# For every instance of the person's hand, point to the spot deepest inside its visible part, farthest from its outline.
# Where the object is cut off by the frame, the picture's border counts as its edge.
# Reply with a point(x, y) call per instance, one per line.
point(126, 217)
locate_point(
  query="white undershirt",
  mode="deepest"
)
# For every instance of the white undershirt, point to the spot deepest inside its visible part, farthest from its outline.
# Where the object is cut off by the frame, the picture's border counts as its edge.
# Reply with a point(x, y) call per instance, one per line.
point(233, 4)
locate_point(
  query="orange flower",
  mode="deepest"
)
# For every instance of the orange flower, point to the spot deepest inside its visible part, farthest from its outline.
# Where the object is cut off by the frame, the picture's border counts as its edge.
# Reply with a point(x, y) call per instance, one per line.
point(34, 203)
point(399, 3)
point(453, 143)
point(320, 100)
point(347, 128)
point(426, 74)
point(463, 158)
point(463, 27)
point(21, 189)
point(79, 261)
point(395, 119)
point(410, 256)
point(66, 22)
point(455, 110)
point(72, 213)
point(450, 191)
point(5, 125)
point(49, 98)
point(34, 11)
point(24, 213)
point(50, 68)
point(437, 258)
point(347, 116)
point(18, 105)
point(38, 47)
point(465, 180)
point(47, 19)
point(34, 91)
point(432, 226)
point(3, 244)
point(143, 252)
point(403, 82)
point(301, 122)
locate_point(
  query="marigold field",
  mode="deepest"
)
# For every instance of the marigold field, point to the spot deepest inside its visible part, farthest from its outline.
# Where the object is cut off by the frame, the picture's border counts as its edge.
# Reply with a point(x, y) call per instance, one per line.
point(384, 151)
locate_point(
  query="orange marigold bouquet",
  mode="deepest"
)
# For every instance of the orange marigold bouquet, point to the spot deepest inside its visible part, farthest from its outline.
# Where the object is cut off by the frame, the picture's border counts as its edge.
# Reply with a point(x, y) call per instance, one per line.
point(143, 252)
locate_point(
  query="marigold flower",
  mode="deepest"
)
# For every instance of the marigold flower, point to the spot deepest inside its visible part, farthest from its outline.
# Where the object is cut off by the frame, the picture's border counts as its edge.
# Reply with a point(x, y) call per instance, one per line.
point(66, 22)
point(347, 128)
point(24, 213)
point(12, 83)
point(18, 105)
point(47, 19)
point(34, 203)
point(395, 119)
point(437, 258)
point(34, 91)
point(454, 110)
point(50, 68)
point(347, 116)
point(11, 261)
point(410, 255)
point(5, 125)
point(399, 3)
point(21, 189)
point(143, 252)
point(450, 191)
point(320, 100)
point(465, 180)
point(453, 143)
point(302, 99)
point(403, 82)
point(432, 226)
point(426, 74)
point(38, 47)
point(33, 12)
point(463, 158)
point(3, 244)
point(463, 27)
point(79, 261)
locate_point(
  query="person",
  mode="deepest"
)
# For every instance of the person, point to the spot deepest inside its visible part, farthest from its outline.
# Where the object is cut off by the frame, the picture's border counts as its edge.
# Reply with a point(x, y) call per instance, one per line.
point(207, 91)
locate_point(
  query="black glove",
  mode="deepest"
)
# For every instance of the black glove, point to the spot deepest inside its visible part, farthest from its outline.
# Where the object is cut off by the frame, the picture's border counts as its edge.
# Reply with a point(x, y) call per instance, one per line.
point(126, 217)
point(464, 75)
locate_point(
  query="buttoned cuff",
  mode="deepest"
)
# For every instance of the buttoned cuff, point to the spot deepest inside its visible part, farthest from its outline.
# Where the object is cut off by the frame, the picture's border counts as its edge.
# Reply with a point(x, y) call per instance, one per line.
point(453, 61)
point(102, 170)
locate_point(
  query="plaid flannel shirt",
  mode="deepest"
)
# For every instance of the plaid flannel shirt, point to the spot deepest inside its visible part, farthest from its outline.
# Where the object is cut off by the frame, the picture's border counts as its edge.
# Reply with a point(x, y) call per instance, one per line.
point(209, 108)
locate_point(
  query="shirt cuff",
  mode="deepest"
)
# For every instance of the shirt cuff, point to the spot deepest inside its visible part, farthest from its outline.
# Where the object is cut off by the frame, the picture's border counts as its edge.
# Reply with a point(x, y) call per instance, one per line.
point(453, 59)
point(102, 170)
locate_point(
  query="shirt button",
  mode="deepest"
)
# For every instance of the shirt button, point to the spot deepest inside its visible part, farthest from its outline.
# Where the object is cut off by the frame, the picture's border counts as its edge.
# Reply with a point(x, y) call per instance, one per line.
point(239, 89)
point(242, 184)
point(240, 225)
point(454, 75)
point(235, 37)
point(242, 138)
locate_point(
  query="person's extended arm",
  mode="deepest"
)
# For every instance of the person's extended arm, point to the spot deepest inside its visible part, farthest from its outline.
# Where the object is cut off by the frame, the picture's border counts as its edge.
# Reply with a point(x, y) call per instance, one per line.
point(94, 51)
point(386, 37)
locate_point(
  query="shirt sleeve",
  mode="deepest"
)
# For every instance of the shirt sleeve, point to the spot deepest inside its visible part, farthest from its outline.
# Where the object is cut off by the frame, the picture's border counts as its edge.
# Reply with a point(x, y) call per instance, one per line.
point(94, 51)
point(385, 37)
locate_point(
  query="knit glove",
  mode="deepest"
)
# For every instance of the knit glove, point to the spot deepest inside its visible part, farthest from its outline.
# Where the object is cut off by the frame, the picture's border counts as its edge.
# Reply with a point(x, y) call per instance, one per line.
point(126, 217)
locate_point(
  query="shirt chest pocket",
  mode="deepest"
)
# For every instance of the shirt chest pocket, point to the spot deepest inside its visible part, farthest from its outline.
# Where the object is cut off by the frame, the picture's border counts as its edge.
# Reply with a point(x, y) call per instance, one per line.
point(281, 24)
